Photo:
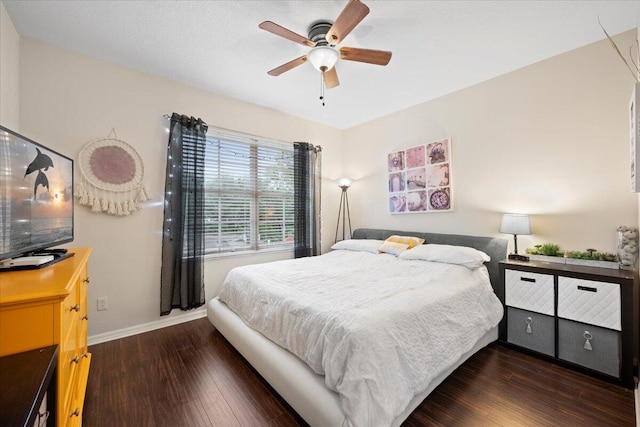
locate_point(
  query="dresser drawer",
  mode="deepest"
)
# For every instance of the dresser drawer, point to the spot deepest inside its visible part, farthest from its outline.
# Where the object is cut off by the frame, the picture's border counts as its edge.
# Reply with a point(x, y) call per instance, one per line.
point(602, 353)
point(66, 374)
point(530, 291)
point(531, 330)
point(70, 309)
point(588, 301)
point(26, 327)
point(82, 337)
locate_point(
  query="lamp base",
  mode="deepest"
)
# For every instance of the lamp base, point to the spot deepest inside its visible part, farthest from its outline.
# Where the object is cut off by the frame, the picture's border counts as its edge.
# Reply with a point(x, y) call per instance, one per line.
point(518, 257)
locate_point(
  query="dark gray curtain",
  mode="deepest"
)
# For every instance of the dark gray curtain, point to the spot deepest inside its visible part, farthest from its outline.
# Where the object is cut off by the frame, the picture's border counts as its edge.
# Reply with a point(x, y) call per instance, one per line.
point(182, 277)
point(307, 161)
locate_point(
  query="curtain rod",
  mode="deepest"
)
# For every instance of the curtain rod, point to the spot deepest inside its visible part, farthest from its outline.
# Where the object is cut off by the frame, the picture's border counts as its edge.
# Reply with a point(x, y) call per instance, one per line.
point(237, 134)
point(168, 117)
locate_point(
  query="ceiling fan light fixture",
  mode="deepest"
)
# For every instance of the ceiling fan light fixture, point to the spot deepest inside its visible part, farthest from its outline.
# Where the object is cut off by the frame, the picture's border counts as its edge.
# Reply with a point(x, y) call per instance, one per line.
point(323, 58)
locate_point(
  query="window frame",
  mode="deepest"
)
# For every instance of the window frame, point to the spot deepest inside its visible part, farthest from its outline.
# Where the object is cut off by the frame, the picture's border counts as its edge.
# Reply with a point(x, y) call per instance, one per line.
point(254, 193)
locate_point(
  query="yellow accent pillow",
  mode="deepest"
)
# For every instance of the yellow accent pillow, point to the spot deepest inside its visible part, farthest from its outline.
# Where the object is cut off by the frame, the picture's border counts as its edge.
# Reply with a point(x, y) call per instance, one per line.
point(393, 248)
point(410, 241)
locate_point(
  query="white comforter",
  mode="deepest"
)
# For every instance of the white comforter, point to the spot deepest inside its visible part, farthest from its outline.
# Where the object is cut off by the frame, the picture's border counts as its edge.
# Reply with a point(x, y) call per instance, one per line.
point(377, 327)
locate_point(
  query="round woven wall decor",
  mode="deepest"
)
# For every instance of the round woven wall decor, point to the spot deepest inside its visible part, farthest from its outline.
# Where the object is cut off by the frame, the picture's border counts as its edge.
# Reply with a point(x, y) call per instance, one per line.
point(111, 177)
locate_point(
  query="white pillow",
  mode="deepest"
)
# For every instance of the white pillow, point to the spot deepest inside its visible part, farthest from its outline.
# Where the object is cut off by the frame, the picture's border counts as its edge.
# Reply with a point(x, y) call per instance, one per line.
point(363, 245)
point(461, 255)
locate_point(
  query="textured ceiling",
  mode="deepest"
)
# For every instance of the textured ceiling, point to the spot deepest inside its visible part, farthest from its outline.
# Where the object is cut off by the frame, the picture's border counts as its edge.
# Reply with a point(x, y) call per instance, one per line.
point(438, 46)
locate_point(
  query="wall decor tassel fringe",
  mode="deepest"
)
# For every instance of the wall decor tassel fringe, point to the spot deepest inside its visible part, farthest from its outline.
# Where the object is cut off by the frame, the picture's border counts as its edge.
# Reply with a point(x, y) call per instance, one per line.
point(111, 174)
point(96, 206)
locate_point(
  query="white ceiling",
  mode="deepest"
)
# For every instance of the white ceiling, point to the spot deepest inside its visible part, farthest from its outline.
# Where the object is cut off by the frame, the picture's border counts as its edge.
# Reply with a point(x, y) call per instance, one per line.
point(438, 46)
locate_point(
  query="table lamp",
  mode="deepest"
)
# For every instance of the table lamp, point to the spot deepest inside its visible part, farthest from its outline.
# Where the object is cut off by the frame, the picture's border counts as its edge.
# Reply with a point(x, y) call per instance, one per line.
point(516, 224)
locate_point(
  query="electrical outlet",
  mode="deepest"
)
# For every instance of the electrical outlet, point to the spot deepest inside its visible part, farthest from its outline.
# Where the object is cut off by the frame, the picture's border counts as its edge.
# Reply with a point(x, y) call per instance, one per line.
point(102, 303)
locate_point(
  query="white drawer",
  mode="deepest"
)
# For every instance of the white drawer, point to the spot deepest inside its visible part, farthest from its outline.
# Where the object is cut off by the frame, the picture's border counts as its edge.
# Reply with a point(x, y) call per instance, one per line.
point(529, 291)
point(588, 301)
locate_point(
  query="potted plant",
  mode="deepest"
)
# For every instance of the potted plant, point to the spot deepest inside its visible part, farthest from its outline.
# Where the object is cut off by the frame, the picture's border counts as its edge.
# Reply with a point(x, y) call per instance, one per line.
point(592, 258)
point(547, 252)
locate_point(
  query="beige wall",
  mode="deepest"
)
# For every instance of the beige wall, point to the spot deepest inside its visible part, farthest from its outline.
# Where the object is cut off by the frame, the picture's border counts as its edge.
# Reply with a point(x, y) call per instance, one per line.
point(68, 99)
point(550, 140)
point(9, 71)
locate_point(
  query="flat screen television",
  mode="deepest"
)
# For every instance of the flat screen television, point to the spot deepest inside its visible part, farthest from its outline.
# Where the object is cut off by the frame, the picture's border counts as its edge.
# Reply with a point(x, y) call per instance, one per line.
point(36, 197)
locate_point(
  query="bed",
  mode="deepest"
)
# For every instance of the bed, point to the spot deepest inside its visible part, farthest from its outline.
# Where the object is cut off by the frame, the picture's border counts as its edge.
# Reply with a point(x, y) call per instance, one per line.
point(349, 365)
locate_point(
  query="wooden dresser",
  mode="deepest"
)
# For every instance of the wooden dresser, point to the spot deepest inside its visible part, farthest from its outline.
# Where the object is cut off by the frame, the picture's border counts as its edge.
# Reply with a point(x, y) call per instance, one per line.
point(40, 308)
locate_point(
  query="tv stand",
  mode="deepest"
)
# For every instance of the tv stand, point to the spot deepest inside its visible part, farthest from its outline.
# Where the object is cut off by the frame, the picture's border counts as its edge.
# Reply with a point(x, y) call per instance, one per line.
point(35, 260)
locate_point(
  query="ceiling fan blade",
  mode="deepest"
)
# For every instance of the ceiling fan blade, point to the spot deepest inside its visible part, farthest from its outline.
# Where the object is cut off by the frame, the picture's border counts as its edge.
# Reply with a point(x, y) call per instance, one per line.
point(330, 78)
point(289, 65)
point(370, 56)
point(351, 15)
point(278, 30)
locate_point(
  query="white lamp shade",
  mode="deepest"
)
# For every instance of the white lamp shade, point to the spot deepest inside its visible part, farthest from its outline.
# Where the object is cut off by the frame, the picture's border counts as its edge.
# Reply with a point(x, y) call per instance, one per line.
point(345, 182)
point(515, 224)
point(323, 56)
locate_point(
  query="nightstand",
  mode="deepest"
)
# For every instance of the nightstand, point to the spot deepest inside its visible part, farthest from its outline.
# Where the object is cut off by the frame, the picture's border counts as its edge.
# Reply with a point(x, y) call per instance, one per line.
point(583, 317)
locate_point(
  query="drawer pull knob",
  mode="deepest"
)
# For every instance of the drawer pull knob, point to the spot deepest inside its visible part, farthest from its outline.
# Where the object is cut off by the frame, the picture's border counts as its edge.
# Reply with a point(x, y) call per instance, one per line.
point(75, 413)
point(85, 317)
point(86, 280)
point(528, 279)
point(75, 359)
point(528, 321)
point(587, 340)
point(75, 307)
point(587, 288)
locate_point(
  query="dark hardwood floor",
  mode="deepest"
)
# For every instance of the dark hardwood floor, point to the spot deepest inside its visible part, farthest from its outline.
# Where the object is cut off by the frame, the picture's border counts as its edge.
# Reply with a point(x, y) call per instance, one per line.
point(189, 375)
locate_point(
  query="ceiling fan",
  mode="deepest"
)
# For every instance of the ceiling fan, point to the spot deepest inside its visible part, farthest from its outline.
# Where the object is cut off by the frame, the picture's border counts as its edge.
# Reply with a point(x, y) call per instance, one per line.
point(323, 39)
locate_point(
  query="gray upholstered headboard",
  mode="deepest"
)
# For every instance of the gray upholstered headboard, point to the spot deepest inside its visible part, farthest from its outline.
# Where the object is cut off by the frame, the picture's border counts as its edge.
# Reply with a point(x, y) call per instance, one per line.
point(495, 247)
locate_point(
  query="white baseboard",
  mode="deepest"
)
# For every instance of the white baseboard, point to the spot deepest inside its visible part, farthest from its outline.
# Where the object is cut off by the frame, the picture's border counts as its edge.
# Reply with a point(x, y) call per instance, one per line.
point(146, 327)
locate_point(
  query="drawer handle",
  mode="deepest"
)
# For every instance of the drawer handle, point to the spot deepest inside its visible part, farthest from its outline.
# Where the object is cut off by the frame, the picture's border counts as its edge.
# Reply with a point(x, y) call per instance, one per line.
point(528, 279)
point(75, 413)
point(75, 359)
point(86, 280)
point(85, 356)
point(75, 307)
point(528, 321)
point(85, 317)
point(587, 340)
point(587, 288)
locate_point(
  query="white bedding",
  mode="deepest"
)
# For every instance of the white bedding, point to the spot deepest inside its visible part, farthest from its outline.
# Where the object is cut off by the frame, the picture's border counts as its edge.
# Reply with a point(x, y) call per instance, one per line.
point(377, 327)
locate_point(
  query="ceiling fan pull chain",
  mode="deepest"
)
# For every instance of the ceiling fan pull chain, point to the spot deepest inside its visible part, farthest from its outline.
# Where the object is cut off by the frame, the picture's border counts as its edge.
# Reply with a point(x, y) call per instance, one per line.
point(322, 88)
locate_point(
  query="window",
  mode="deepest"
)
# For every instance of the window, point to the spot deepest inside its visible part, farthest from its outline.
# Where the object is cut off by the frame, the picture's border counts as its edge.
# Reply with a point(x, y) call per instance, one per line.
point(248, 195)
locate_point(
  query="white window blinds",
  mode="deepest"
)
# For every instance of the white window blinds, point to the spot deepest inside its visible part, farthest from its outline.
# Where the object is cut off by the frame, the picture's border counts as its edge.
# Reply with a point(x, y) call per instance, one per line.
point(248, 195)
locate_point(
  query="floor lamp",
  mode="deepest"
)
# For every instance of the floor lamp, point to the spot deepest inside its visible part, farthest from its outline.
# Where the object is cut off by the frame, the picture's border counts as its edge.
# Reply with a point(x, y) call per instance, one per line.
point(343, 211)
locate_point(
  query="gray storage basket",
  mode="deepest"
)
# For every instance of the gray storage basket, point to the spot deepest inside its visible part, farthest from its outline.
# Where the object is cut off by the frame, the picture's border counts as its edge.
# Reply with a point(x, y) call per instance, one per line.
point(540, 336)
point(604, 355)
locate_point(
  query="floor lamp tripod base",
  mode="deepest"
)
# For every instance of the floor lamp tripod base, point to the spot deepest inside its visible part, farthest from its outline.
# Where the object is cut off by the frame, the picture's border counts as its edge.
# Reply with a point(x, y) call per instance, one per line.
point(343, 214)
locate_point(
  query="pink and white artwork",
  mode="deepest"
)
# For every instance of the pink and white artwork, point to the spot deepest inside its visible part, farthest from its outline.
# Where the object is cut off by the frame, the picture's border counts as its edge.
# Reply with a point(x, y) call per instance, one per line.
point(438, 152)
point(416, 156)
point(395, 161)
point(420, 178)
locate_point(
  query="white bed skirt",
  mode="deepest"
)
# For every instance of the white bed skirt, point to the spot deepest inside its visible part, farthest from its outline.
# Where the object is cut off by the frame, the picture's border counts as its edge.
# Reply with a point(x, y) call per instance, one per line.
point(302, 388)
